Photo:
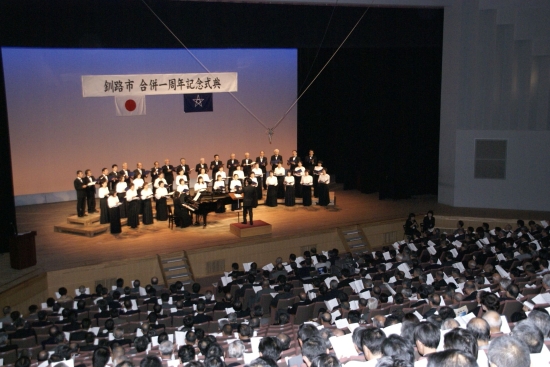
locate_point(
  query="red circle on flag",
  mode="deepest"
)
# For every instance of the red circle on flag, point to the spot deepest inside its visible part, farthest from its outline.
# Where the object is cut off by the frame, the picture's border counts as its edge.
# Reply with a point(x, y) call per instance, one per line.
point(130, 105)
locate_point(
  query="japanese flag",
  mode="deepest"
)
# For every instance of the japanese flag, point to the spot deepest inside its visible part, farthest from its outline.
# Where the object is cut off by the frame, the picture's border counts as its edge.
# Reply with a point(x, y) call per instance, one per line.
point(130, 105)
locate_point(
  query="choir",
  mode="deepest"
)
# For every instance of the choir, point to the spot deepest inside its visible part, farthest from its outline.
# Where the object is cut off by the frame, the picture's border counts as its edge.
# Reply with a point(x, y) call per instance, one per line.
point(125, 194)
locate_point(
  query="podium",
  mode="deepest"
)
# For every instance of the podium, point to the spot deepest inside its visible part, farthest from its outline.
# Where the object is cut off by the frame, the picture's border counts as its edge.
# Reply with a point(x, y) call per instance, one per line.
point(23, 250)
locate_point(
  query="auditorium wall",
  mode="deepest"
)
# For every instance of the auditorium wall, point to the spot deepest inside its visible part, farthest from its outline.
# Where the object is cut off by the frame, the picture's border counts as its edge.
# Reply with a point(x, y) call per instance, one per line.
point(495, 85)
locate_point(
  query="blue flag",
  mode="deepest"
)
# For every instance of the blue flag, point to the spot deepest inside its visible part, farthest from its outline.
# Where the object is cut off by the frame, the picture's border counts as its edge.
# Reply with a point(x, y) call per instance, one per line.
point(200, 102)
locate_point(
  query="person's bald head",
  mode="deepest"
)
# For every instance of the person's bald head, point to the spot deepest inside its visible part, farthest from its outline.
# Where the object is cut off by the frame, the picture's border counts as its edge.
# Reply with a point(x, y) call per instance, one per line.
point(480, 329)
point(472, 264)
point(494, 321)
point(303, 296)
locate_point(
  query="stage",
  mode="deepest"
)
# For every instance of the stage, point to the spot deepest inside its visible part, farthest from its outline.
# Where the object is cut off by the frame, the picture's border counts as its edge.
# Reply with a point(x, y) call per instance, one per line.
point(56, 251)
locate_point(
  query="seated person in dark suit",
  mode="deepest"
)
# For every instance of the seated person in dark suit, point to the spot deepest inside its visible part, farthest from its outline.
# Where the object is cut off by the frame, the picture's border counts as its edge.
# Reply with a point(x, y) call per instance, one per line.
point(346, 279)
point(238, 307)
point(157, 309)
point(439, 281)
point(41, 319)
point(152, 318)
point(108, 327)
point(83, 332)
point(127, 310)
point(89, 342)
point(73, 324)
point(304, 301)
point(179, 310)
point(195, 291)
point(235, 270)
point(119, 339)
point(115, 303)
point(22, 330)
point(285, 294)
point(52, 332)
point(200, 317)
point(103, 312)
point(226, 302)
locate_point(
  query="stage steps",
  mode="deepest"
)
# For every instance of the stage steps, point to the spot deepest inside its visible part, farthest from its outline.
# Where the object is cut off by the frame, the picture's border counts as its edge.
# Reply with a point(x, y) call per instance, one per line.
point(175, 267)
point(354, 239)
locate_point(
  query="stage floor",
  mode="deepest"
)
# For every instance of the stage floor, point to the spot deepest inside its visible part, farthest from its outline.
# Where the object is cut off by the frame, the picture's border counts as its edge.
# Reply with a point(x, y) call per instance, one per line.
point(61, 251)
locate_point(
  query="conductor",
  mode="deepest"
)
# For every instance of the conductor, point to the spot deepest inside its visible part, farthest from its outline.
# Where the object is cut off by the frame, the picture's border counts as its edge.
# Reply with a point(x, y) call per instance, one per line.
point(250, 200)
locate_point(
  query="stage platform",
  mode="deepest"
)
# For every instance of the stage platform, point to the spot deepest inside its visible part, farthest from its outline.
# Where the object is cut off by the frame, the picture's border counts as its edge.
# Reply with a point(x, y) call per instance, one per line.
point(56, 251)
point(247, 230)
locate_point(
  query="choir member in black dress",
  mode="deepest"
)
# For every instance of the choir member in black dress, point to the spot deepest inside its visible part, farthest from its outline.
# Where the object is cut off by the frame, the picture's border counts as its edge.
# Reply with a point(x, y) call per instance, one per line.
point(307, 182)
point(411, 226)
point(271, 182)
point(80, 187)
point(113, 177)
point(259, 175)
point(289, 189)
point(160, 195)
point(132, 198)
point(316, 172)
point(235, 186)
point(280, 174)
point(103, 206)
point(298, 173)
point(121, 193)
point(168, 171)
point(90, 191)
point(324, 180)
point(146, 195)
point(262, 163)
point(114, 213)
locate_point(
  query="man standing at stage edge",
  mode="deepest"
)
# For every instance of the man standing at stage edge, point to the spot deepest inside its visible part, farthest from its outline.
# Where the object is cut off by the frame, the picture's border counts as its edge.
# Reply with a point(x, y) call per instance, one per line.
point(250, 198)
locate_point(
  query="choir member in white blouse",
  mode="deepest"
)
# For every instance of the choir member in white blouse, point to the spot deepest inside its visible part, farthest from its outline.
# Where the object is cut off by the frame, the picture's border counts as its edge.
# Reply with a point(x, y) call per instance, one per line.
point(271, 182)
point(258, 174)
point(280, 174)
point(220, 172)
point(235, 186)
point(204, 176)
point(180, 176)
point(289, 189)
point(324, 180)
point(146, 195)
point(298, 173)
point(182, 186)
point(219, 184)
point(240, 173)
point(253, 179)
point(121, 192)
point(138, 182)
point(132, 199)
point(159, 180)
point(306, 182)
point(160, 194)
point(103, 194)
point(200, 186)
point(114, 212)
point(316, 172)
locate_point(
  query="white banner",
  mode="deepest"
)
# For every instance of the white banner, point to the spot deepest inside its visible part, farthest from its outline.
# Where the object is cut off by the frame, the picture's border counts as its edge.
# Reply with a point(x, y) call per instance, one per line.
point(157, 84)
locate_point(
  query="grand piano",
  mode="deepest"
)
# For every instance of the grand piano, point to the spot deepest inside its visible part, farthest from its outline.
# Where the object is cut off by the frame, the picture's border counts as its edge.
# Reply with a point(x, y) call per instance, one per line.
point(207, 202)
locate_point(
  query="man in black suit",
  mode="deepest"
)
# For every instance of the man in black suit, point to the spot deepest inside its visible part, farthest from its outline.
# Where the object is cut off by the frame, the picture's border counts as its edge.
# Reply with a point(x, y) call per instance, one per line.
point(293, 161)
point(202, 164)
point(90, 191)
point(113, 177)
point(155, 171)
point(80, 187)
point(232, 164)
point(310, 161)
point(184, 167)
point(215, 166)
point(275, 159)
point(200, 317)
point(304, 301)
point(262, 163)
point(104, 175)
point(168, 170)
point(247, 164)
point(250, 199)
point(139, 169)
